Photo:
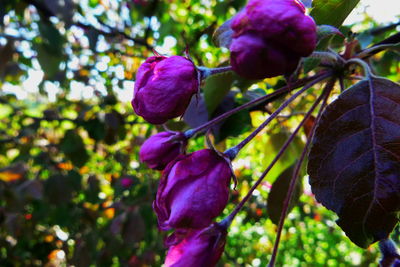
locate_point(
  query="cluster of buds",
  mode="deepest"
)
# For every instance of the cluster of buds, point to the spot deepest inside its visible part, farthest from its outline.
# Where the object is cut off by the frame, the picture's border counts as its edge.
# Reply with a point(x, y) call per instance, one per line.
point(269, 38)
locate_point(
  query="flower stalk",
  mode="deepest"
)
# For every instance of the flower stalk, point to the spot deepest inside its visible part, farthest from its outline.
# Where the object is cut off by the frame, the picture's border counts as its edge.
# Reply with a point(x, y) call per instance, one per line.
point(232, 152)
point(231, 216)
point(325, 94)
point(263, 99)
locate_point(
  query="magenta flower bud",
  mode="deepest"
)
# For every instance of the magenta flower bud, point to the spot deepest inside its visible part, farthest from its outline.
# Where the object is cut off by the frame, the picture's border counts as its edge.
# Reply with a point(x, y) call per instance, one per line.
point(193, 190)
point(126, 182)
point(200, 248)
point(164, 87)
point(270, 37)
point(162, 148)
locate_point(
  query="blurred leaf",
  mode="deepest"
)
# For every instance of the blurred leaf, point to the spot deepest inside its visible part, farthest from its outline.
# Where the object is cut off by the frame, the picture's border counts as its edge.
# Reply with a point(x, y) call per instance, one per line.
point(13, 224)
point(93, 190)
point(365, 39)
point(383, 66)
point(73, 147)
point(117, 224)
point(196, 114)
point(32, 189)
point(93, 37)
point(58, 189)
point(49, 62)
point(222, 37)
point(6, 54)
point(115, 128)
point(216, 88)
point(82, 254)
point(64, 9)
point(95, 129)
point(51, 37)
point(277, 195)
point(332, 12)
point(134, 228)
point(93, 3)
point(310, 63)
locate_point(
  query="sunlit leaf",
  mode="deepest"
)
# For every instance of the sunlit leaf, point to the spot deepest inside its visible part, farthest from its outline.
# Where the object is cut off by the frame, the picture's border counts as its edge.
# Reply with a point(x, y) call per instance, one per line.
point(332, 12)
point(277, 195)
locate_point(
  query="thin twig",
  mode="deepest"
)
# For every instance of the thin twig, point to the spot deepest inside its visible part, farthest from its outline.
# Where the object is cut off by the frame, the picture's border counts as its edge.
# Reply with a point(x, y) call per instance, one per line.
point(324, 96)
point(231, 216)
point(261, 100)
point(233, 151)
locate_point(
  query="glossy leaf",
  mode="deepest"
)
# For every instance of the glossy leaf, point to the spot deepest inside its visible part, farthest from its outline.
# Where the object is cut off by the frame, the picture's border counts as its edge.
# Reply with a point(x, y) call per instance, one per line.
point(332, 12)
point(278, 194)
point(354, 164)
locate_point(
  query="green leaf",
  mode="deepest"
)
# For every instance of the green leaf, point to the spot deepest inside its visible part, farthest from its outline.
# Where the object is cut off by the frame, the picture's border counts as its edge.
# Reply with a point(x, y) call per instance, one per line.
point(332, 12)
point(50, 62)
point(95, 129)
point(74, 149)
point(64, 9)
point(310, 63)
point(235, 125)
point(215, 89)
point(58, 189)
point(51, 37)
point(93, 3)
point(278, 194)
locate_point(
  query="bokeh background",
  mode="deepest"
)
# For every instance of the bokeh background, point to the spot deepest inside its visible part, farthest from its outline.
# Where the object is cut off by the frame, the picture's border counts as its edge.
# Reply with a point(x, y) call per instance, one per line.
point(72, 189)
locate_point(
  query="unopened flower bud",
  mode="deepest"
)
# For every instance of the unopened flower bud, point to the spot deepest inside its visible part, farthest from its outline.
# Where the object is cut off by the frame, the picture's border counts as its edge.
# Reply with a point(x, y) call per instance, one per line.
point(126, 182)
point(200, 248)
point(193, 190)
point(162, 148)
point(164, 87)
point(270, 37)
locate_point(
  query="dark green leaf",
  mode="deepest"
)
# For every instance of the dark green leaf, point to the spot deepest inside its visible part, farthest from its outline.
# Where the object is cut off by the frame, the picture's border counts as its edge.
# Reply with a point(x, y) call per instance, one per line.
point(64, 9)
point(73, 147)
point(216, 88)
point(95, 129)
point(58, 189)
point(278, 194)
point(332, 12)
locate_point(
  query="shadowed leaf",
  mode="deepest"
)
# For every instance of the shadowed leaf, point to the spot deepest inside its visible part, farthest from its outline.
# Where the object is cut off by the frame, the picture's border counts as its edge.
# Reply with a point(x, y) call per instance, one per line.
point(278, 194)
point(354, 164)
point(223, 35)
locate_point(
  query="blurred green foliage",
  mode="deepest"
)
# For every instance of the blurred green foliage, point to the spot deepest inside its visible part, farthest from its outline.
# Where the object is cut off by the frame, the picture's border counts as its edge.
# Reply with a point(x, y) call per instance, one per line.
point(72, 190)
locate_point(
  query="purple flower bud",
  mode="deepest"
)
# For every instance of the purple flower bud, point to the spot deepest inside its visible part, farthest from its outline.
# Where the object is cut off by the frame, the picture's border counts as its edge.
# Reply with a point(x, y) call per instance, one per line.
point(126, 182)
point(270, 37)
point(193, 190)
point(200, 248)
point(164, 87)
point(162, 148)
